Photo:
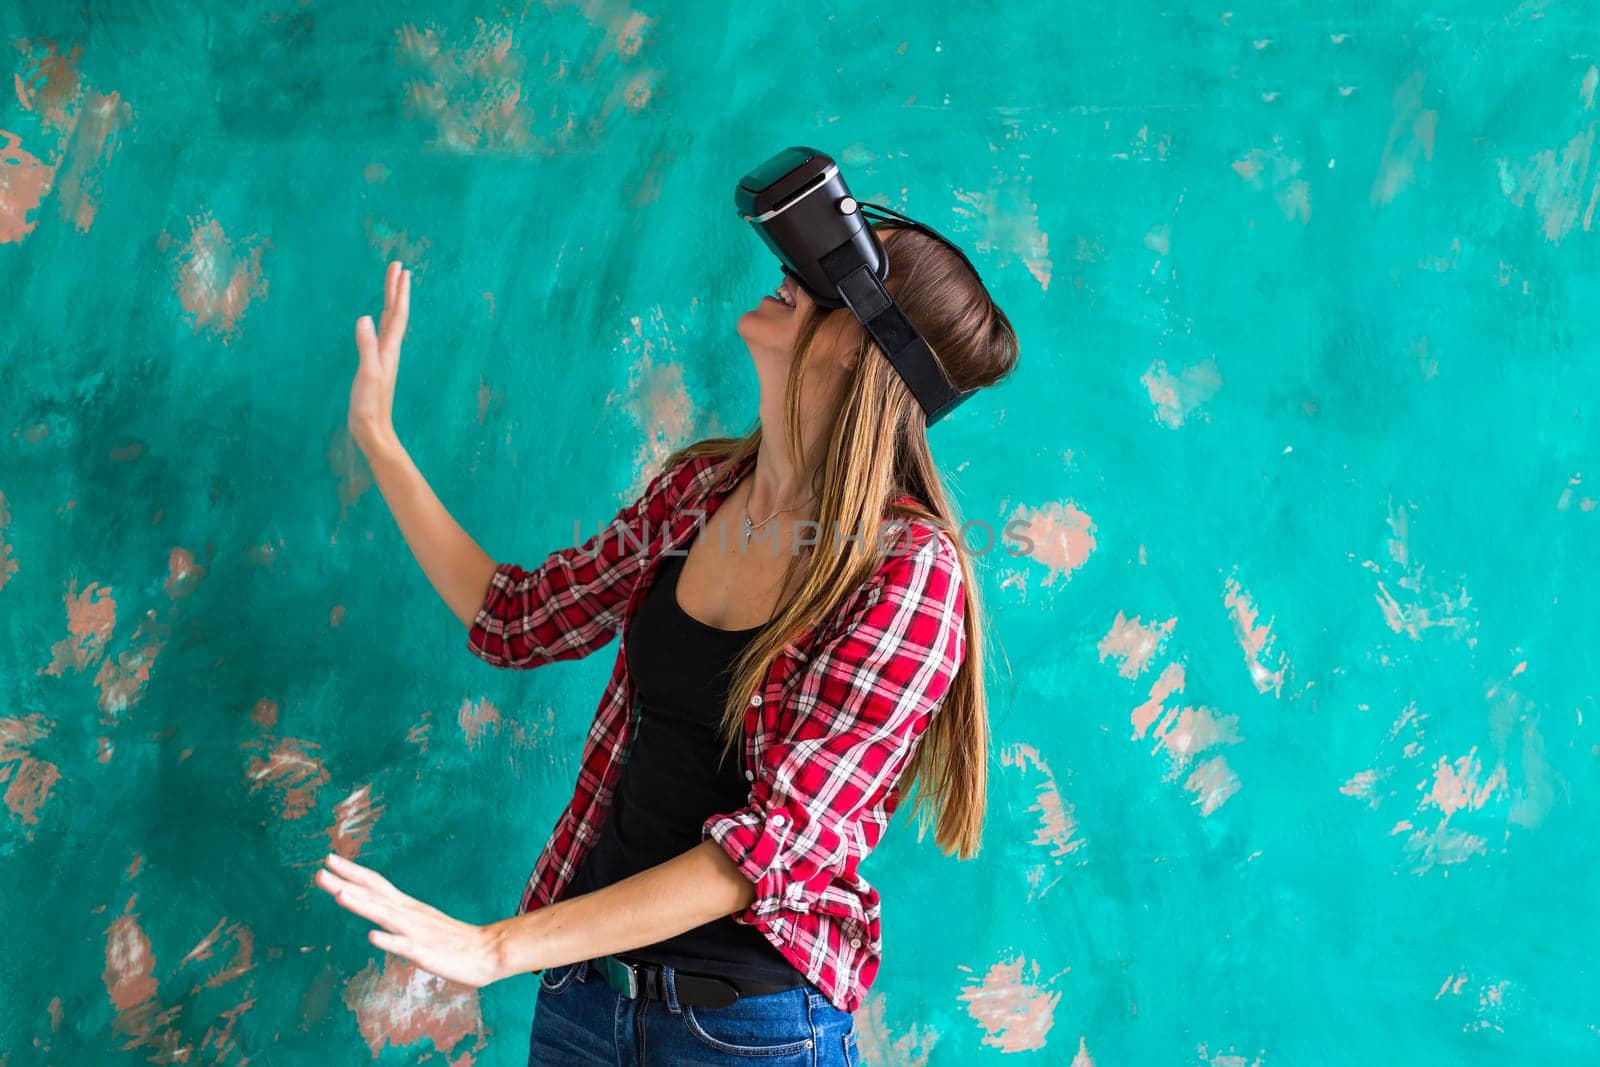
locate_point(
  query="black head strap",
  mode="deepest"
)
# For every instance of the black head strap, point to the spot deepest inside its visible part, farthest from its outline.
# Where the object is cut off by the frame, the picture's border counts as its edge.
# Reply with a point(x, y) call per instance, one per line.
point(908, 353)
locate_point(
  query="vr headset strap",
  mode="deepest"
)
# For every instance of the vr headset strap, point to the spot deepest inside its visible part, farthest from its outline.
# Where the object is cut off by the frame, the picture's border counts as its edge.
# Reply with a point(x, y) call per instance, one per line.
point(908, 353)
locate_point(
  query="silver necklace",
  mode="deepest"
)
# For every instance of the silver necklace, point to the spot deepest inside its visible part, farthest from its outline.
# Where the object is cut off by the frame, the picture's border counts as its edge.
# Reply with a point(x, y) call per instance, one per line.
point(750, 527)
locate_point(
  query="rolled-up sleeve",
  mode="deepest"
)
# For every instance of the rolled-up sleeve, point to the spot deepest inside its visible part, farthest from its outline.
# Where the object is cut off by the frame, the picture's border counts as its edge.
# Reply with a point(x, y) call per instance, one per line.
point(852, 724)
point(572, 603)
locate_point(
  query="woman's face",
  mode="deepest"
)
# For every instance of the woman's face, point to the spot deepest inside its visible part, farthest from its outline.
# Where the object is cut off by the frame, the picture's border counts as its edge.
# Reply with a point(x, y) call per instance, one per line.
point(770, 328)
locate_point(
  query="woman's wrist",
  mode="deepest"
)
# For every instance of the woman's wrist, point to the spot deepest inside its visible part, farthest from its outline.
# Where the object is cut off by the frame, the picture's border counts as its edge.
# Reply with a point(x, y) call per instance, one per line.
point(513, 944)
point(377, 442)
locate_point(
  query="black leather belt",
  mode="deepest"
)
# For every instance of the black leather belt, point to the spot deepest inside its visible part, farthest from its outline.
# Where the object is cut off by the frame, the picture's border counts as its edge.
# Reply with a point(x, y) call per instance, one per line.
point(642, 978)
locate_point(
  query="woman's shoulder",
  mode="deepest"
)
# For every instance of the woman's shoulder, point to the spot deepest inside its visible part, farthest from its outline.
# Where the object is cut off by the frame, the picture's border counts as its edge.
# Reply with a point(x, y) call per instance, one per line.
point(919, 528)
point(686, 474)
point(921, 553)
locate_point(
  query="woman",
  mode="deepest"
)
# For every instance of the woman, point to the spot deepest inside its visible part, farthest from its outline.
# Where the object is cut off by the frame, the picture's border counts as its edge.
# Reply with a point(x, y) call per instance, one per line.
point(800, 638)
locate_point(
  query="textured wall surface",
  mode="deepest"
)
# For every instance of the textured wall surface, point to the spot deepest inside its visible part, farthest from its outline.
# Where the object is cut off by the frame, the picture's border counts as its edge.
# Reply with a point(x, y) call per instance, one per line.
point(1295, 733)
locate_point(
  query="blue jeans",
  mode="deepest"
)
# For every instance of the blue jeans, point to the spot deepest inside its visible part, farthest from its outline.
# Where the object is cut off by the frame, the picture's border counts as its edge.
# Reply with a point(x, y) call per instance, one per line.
point(580, 1021)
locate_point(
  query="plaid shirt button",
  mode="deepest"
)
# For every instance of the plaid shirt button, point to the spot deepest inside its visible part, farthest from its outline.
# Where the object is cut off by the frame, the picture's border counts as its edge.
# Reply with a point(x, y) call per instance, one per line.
point(755, 698)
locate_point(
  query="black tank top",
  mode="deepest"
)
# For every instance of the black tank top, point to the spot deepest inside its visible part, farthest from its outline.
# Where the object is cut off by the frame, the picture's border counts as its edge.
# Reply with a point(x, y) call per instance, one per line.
point(671, 782)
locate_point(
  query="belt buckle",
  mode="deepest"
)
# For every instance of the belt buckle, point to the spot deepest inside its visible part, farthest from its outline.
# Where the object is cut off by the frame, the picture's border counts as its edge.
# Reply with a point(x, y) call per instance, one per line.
point(622, 975)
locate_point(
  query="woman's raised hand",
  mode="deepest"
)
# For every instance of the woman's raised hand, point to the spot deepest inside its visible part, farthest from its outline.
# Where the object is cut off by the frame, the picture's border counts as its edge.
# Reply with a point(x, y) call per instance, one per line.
point(371, 418)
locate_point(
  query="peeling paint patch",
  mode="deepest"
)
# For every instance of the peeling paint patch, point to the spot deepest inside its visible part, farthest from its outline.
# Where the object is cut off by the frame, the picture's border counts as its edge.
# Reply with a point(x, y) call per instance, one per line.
point(1177, 396)
point(1256, 641)
point(1062, 535)
point(1132, 644)
point(1057, 829)
point(28, 779)
point(398, 1004)
point(1013, 1005)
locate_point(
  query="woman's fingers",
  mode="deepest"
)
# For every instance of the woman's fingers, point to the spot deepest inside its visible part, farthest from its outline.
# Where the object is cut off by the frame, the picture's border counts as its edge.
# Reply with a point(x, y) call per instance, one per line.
point(390, 275)
point(403, 307)
point(396, 310)
point(361, 901)
point(352, 871)
point(366, 342)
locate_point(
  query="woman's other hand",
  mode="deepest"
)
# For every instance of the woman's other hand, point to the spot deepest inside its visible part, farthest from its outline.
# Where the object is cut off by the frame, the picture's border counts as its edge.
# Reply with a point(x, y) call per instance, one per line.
point(454, 950)
point(371, 418)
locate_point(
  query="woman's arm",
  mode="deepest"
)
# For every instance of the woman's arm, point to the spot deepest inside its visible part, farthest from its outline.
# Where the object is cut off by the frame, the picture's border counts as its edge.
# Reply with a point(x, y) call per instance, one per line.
point(457, 567)
point(671, 898)
point(572, 603)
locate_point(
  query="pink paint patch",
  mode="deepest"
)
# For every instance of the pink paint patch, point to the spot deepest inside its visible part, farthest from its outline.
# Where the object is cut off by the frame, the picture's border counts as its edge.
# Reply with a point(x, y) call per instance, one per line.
point(400, 1004)
point(238, 965)
point(217, 277)
point(1276, 170)
point(1057, 828)
point(1363, 784)
point(1555, 178)
point(1410, 136)
point(91, 618)
point(656, 395)
point(8, 562)
point(1455, 785)
point(122, 680)
point(96, 137)
point(351, 468)
point(475, 717)
point(488, 398)
point(1132, 644)
point(134, 989)
point(293, 773)
point(1062, 537)
point(1006, 220)
point(24, 183)
point(78, 130)
point(1168, 682)
point(28, 780)
point(353, 817)
point(630, 36)
point(1016, 1012)
point(265, 713)
point(1082, 1059)
point(471, 94)
point(1193, 731)
point(1178, 396)
point(1421, 607)
point(129, 978)
point(1255, 640)
point(1442, 845)
point(1212, 783)
point(183, 573)
point(1227, 1059)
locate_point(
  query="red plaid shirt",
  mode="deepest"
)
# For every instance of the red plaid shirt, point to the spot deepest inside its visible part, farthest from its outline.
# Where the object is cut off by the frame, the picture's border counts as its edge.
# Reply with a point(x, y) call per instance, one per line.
point(827, 736)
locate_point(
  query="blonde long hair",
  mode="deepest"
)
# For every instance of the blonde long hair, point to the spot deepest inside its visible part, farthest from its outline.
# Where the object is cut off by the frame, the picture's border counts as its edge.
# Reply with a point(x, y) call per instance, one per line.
point(877, 450)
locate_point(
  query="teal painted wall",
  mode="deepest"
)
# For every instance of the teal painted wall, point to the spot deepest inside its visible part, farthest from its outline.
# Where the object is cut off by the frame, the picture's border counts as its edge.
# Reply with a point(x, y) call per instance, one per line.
point(1296, 755)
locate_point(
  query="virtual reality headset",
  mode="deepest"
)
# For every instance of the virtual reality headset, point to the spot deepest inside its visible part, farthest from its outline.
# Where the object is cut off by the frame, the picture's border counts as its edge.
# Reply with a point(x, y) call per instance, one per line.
point(800, 206)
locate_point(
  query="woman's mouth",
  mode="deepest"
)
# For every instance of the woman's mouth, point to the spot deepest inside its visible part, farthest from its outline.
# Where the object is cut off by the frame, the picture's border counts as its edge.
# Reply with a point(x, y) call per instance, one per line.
point(782, 295)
